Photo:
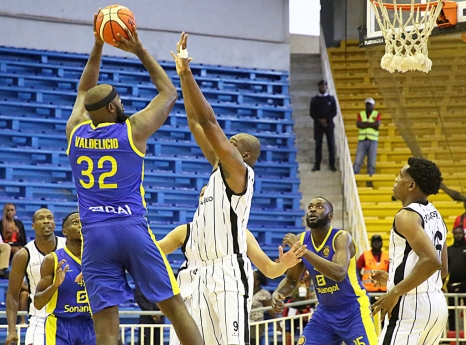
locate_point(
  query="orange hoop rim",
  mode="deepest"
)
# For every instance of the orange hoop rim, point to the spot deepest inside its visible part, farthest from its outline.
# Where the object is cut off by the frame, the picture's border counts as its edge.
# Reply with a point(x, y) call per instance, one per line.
point(404, 7)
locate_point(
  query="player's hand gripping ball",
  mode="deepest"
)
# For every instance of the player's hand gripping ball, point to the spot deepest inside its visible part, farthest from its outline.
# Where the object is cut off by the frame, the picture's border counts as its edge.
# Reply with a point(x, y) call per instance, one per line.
point(113, 20)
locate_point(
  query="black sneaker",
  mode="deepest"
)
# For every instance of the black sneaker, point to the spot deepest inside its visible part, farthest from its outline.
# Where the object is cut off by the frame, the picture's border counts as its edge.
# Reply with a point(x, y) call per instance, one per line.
point(316, 168)
point(332, 168)
point(369, 184)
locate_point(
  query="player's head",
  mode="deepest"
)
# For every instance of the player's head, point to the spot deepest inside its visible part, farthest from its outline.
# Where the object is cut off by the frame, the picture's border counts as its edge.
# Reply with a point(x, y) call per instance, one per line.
point(9, 211)
point(458, 234)
point(43, 223)
point(418, 179)
point(103, 104)
point(322, 86)
point(259, 278)
point(71, 226)
point(319, 213)
point(249, 147)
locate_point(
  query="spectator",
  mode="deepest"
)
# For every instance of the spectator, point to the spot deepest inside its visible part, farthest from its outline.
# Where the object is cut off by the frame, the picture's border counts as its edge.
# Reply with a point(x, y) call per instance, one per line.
point(368, 123)
point(323, 110)
point(12, 229)
point(460, 221)
point(261, 298)
point(457, 266)
point(5, 251)
point(373, 259)
point(146, 305)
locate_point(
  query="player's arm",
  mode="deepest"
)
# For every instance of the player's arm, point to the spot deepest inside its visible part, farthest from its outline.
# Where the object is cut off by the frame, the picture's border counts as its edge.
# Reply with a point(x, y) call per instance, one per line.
point(271, 268)
point(286, 286)
point(88, 80)
point(15, 281)
point(174, 239)
point(455, 195)
point(50, 279)
point(145, 122)
point(338, 267)
point(232, 163)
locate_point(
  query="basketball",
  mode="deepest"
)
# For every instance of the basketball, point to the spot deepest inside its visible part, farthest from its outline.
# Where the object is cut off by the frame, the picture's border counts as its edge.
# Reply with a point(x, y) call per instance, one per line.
point(113, 20)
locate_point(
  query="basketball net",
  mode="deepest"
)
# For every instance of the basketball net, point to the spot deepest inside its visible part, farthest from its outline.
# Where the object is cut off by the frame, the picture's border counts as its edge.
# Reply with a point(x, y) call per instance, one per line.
point(406, 40)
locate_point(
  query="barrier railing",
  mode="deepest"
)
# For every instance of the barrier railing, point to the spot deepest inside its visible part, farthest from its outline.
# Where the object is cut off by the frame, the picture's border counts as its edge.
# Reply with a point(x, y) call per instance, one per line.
point(280, 331)
point(352, 205)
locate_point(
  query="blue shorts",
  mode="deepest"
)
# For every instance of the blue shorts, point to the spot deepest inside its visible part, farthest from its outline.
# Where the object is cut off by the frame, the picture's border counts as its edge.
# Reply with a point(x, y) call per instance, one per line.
point(352, 324)
point(73, 331)
point(110, 248)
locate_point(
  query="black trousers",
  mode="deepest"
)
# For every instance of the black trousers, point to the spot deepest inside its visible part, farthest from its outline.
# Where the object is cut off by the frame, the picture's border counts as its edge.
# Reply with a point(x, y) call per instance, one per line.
point(319, 132)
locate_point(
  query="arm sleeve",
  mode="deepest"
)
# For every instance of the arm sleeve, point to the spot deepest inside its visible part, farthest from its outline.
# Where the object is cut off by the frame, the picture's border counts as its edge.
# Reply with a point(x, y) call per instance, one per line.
point(457, 222)
point(313, 110)
point(379, 117)
point(333, 109)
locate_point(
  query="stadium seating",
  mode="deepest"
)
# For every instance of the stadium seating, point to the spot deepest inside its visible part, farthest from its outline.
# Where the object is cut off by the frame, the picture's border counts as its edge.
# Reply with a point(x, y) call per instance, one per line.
point(37, 92)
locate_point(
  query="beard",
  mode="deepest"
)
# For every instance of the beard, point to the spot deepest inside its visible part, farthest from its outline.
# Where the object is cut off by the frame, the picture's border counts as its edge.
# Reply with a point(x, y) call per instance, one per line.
point(121, 116)
point(318, 223)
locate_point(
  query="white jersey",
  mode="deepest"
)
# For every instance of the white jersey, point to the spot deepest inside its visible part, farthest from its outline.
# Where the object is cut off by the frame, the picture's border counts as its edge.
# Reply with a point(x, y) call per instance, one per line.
point(403, 258)
point(188, 269)
point(33, 272)
point(220, 222)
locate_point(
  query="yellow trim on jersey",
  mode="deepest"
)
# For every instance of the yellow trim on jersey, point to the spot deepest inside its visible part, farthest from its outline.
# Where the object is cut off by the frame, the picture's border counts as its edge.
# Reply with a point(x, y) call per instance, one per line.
point(72, 132)
point(323, 242)
point(141, 188)
point(52, 304)
point(51, 330)
point(364, 304)
point(301, 237)
point(173, 282)
point(75, 258)
point(130, 138)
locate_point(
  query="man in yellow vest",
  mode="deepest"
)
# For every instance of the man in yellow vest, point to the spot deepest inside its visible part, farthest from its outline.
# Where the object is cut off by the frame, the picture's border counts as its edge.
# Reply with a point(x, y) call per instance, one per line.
point(373, 259)
point(368, 123)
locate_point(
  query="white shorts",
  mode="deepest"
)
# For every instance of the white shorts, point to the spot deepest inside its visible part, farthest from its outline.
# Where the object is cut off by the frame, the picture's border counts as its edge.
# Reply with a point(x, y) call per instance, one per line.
point(221, 302)
point(35, 331)
point(416, 319)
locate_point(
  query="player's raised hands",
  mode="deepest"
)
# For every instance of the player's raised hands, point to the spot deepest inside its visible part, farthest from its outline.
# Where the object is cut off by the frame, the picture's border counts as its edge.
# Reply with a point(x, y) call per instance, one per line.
point(293, 256)
point(98, 39)
point(60, 273)
point(290, 240)
point(132, 44)
point(181, 57)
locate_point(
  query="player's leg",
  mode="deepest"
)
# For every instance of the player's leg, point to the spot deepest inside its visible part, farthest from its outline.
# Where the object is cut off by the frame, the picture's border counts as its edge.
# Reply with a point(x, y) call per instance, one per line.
point(185, 327)
point(106, 326)
point(318, 331)
point(358, 328)
point(438, 315)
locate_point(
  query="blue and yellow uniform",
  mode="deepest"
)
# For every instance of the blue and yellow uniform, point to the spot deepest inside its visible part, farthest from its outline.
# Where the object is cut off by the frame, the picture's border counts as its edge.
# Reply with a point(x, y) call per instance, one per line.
point(69, 321)
point(343, 312)
point(108, 171)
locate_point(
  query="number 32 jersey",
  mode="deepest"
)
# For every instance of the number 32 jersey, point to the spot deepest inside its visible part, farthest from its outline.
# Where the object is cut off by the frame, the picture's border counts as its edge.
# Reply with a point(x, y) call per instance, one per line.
point(108, 171)
point(402, 256)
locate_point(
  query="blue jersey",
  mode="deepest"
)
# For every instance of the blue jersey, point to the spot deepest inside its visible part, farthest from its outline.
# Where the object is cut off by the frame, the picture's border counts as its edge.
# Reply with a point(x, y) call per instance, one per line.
point(70, 300)
point(108, 171)
point(332, 294)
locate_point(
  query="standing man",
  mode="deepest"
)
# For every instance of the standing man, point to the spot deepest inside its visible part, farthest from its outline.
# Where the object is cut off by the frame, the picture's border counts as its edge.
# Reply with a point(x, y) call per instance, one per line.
point(457, 267)
point(69, 320)
point(414, 307)
point(323, 109)
point(373, 259)
point(106, 151)
point(221, 302)
point(343, 313)
point(368, 123)
point(26, 263)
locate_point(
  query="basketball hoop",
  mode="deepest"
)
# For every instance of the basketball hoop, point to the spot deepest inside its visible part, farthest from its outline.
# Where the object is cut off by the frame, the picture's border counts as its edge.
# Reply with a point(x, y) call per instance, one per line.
point(406, 39)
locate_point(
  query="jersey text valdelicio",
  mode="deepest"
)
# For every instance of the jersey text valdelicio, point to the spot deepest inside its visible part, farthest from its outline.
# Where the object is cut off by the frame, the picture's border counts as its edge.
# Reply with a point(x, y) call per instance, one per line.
point(97, 144)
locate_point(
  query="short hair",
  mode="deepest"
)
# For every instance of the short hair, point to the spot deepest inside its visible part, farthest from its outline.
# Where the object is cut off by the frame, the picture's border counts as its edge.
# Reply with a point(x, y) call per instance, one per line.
point(426, 174)
point(326, 201)
point(322, 82)
point(66, 218)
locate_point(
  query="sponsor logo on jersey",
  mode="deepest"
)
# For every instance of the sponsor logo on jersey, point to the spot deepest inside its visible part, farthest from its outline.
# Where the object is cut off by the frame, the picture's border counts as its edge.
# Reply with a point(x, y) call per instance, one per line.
point(326, 251)
point(328, 289)
point(111, 209)
point(302, 340)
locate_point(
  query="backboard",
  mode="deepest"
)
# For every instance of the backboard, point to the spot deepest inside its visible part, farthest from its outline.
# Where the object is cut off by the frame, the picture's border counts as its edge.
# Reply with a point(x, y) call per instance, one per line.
point(370, 34)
